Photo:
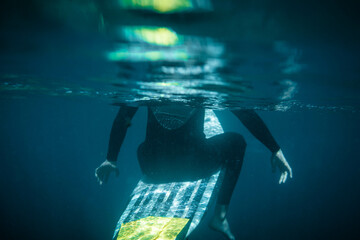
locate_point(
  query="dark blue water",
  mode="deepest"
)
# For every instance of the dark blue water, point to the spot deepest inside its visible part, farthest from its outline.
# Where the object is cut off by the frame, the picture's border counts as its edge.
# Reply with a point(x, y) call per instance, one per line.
point(50, 148)
point(51, 140)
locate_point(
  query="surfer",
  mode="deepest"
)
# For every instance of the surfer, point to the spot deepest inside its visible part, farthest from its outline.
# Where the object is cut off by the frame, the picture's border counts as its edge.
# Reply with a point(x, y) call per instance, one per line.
point(175, 149)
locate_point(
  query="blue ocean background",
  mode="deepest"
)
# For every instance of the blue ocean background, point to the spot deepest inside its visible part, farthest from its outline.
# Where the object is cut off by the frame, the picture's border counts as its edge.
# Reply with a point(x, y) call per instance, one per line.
point(51, 143)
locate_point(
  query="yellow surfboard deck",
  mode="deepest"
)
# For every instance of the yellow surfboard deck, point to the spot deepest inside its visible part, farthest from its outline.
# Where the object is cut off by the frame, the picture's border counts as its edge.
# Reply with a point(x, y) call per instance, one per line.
point(152, 228)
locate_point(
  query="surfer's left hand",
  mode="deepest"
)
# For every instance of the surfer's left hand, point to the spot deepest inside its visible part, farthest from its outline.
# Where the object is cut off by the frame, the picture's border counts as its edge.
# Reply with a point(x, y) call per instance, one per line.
point(102, 173)
point(278, 161)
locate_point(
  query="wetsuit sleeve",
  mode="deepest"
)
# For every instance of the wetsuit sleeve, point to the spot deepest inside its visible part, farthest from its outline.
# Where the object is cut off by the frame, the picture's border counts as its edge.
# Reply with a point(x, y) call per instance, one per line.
point(257, 127)
point(118, 131)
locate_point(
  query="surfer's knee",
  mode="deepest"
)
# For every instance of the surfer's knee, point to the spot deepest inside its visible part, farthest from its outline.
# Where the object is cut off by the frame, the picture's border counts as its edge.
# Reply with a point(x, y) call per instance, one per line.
point(235, 141)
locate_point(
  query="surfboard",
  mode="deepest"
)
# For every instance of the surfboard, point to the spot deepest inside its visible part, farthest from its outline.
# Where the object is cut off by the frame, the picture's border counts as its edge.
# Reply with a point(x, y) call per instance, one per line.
point(169, 211)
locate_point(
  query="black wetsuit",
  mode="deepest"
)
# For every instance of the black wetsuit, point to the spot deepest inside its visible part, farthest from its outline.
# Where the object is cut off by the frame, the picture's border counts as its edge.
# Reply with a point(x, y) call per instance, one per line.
point(181, 152)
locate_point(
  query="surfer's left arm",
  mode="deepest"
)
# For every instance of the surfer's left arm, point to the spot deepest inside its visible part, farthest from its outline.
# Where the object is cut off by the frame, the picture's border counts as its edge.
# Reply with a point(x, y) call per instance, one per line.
point(258, 128)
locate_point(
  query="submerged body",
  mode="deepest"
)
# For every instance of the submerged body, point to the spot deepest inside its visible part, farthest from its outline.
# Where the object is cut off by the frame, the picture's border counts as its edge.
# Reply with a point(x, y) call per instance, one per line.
point(175, 149)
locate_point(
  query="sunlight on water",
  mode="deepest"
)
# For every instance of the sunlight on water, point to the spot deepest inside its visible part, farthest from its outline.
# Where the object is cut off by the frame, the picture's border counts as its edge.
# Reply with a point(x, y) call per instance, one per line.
point(153, 35)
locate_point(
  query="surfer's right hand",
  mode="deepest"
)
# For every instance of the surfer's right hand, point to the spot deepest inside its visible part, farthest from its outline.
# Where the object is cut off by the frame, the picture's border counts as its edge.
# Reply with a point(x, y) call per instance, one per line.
point(102, 173)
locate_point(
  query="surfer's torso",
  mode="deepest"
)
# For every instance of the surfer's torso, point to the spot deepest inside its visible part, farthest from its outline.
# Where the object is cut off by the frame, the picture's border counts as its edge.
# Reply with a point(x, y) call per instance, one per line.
point(174, 122)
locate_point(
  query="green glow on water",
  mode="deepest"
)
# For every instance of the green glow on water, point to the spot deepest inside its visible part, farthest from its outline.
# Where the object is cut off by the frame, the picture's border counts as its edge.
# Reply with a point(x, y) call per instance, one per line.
point(160, 6)
point(153, 35)
point(124, 54)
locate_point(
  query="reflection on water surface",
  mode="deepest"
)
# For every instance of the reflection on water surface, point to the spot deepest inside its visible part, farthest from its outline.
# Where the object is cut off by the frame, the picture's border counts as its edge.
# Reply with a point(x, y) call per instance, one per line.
point(198, 52)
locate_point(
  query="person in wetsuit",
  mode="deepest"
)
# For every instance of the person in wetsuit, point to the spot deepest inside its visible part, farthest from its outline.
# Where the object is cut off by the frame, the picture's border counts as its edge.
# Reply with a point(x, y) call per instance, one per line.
point(175, 149)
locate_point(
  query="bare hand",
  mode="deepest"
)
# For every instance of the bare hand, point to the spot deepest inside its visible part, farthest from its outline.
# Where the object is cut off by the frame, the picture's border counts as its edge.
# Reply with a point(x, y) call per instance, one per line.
point(278, 161)
point(102, 173)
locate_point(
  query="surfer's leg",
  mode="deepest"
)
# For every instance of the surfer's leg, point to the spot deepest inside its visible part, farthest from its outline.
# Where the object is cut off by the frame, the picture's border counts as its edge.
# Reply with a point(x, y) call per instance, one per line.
point(233, 158)
point(232, 148)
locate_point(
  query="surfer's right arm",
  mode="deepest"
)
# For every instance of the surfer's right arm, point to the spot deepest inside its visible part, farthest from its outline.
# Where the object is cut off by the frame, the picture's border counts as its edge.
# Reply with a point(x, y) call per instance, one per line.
point(117, 135)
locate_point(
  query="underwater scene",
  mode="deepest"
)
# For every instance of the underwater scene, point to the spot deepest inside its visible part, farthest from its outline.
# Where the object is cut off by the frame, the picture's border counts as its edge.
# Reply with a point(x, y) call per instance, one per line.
point(179, 119)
